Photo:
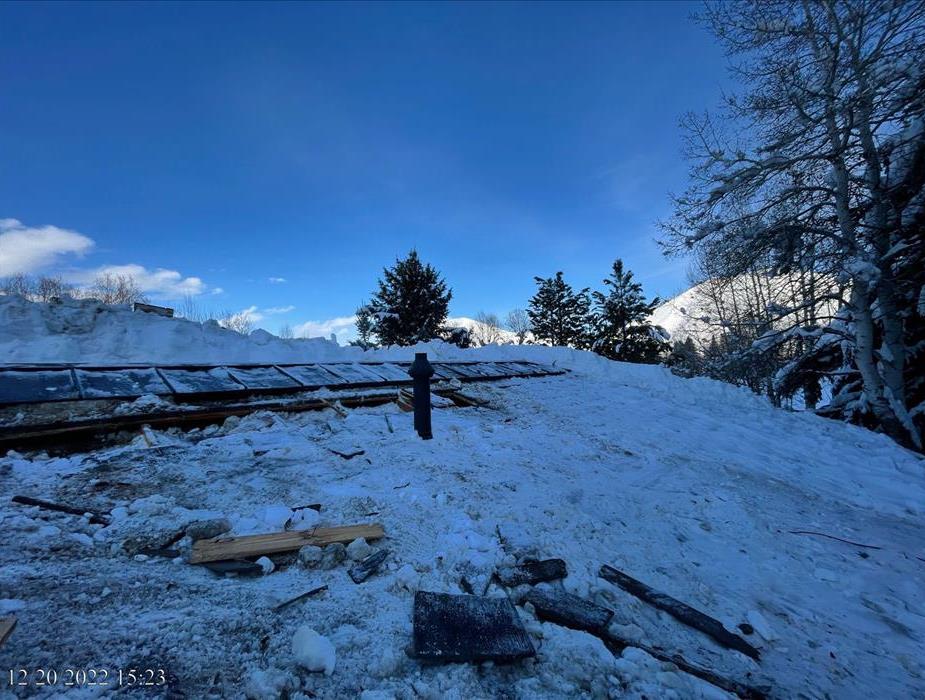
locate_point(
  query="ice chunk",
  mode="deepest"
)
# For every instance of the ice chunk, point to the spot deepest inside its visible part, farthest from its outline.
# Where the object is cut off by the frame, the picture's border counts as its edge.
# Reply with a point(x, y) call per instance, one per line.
point(313, 651)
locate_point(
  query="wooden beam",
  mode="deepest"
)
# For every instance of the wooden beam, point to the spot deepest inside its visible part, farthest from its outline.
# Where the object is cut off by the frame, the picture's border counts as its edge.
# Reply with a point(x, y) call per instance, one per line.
point(680, 611)
point(274, 543)
point(83, 430)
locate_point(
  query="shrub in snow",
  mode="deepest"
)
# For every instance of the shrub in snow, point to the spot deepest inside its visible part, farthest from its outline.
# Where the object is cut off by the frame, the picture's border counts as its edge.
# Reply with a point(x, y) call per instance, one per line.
point(313, 651)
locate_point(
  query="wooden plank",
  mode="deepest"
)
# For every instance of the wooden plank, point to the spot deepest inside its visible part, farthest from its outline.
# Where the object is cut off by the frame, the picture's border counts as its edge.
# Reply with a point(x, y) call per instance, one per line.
point(680, 611)
point(152, 309)
point(7, 625)
point(274, 543)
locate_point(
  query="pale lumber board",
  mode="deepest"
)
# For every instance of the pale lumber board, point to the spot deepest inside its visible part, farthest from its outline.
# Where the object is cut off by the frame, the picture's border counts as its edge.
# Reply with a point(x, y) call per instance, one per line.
point(7, 625)
point(274, 543)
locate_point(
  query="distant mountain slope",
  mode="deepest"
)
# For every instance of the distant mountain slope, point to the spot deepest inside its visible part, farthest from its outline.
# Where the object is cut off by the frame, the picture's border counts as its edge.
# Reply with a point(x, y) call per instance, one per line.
point(686, 315)
point(700, 311)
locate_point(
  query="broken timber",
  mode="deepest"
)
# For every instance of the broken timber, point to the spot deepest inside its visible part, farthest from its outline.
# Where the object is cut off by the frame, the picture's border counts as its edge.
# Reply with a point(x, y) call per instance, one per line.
point(616, 646)
point(79, 431)
point(256, 545)
point(368, 566)
point(299, 597)
point(96, 518)
point(569, 611)
point(532, 572)
point(7, 625)
point(577, 613)
point(680, 611)
point(468, 628)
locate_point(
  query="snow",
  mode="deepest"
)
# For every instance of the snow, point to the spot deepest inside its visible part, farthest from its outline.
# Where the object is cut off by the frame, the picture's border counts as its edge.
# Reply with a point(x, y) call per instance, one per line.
point(695, 487)
point(313, 651)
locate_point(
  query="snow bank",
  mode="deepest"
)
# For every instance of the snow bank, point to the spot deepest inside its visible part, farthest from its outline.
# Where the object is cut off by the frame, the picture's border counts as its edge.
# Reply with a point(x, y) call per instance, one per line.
point(86, 331)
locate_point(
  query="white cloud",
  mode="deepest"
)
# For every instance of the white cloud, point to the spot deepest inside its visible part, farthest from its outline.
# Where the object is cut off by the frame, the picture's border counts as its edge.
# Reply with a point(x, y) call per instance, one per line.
point(217, 290)
point(251, 313)
point(168, 284)
point(343, 326)
point(273, 310)
point(25, 249)
point(276, 280)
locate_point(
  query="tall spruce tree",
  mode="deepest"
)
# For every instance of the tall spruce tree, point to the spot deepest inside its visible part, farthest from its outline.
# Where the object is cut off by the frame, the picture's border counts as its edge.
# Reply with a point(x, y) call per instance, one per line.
point(558, 314)
point(411, 305)
point(622, 329)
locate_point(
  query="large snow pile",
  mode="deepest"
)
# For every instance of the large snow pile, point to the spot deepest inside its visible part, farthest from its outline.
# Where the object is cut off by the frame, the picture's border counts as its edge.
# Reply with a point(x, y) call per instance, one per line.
point(86, 331)
point(89, 332)
point(694, 487)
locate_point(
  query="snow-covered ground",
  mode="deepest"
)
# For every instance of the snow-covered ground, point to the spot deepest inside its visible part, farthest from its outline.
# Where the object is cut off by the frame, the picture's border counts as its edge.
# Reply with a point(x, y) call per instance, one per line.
point(691, 486)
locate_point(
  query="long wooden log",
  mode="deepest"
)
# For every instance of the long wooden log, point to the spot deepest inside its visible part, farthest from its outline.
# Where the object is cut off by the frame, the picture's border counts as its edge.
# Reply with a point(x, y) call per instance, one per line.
point(616, 645)
point(680, 611)
point(257, 545)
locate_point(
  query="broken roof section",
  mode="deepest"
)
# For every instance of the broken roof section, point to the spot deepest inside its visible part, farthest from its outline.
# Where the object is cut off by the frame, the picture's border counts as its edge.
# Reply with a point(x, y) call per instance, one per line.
point(41, 384)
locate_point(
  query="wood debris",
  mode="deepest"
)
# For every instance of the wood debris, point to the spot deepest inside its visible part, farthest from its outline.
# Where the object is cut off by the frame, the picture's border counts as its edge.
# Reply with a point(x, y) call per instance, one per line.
point(96, 518)
point(7, 625)
point(236, 566)
point(368, 566)
point(616, 646)
point(680, 611)
point(347, 455)
point(569, 610)
point(468, 628)
point(257, 545)
point(299, 597)
point(532, 572)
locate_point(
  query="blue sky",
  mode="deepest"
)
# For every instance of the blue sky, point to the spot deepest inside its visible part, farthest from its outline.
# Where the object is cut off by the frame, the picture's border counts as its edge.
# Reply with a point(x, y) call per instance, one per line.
point(214, 148)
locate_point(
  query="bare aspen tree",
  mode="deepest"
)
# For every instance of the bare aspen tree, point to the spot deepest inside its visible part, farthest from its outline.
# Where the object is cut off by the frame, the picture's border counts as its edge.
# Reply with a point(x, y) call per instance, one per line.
point(819, 169)
point(517, 322)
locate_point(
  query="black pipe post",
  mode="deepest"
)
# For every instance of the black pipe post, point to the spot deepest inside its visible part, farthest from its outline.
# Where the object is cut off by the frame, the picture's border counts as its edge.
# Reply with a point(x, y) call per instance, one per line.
point(421, 371)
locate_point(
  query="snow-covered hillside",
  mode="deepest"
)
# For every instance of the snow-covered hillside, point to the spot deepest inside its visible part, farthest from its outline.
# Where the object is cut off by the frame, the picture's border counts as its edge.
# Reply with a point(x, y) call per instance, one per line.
point(700, 489)
point(699, 312)
point(687, 315)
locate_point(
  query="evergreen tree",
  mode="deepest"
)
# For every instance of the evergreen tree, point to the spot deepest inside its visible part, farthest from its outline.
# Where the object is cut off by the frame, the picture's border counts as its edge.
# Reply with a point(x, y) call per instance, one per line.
point(411, 305)
point(558, 314)
point(364, 325)
point(622, 330)
point(685, 359)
